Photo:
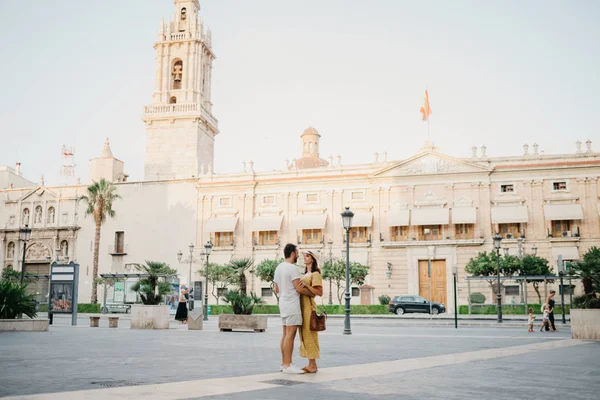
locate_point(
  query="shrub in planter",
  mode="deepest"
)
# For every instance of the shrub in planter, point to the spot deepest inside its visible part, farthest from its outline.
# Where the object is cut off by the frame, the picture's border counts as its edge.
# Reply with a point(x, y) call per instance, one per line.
point(477, 298)
point(384, 299)
point(586, 302)
point(14, 300)
point(153, 288)
point(241, 303)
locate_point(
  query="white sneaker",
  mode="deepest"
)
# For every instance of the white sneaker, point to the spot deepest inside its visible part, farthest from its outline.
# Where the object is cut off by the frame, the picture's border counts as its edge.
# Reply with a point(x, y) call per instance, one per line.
point(281, 367)
point(292, 370)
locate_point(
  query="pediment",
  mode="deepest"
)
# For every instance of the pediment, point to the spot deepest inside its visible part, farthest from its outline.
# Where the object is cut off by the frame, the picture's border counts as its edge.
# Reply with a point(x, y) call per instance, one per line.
point(431, 162)
point(39, 194)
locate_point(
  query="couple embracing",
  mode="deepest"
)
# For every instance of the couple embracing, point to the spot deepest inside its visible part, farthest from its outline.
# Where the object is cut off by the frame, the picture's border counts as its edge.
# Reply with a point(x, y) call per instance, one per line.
point(296, 303)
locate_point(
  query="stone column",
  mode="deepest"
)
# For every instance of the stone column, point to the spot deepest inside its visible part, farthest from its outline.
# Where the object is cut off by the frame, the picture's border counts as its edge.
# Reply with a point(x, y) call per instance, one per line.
point(166, 75)
point(186, 71)
point(159, 73)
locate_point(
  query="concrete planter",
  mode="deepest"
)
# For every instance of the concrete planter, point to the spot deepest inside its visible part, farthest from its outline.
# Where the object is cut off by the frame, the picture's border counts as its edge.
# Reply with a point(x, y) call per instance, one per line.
point(149, 317)
point(113, 322)
point(229, 322)
point(585, 324)
point(94, 322)
point(24, 325)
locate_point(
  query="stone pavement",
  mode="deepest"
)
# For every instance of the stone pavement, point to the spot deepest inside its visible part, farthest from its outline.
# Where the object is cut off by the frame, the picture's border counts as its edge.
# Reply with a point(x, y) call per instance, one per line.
point(382, 359)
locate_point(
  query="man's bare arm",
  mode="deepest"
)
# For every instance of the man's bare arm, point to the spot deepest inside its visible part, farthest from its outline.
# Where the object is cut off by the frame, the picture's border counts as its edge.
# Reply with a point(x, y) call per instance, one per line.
point(301, 289)
point(276, 287)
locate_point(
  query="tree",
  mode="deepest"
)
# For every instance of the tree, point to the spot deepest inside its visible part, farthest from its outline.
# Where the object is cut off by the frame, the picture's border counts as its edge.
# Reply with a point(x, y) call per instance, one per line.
point(336, 272)
point(220, 276)
point(99, 198)
point(485, 264)
point(589, 271)
point(266, 272)
point(239, 267)
point(154, 286)
point(535, 266)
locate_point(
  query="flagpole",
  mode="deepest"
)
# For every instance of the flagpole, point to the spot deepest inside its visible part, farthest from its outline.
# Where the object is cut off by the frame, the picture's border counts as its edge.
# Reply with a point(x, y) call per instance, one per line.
point(428, 134)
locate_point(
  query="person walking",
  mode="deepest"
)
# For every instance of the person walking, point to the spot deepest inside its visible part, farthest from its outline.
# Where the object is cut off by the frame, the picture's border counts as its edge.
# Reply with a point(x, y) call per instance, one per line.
point(531, 319)
point(313, 282)
point(182, 311)
point(287, 285)
point(550, 301)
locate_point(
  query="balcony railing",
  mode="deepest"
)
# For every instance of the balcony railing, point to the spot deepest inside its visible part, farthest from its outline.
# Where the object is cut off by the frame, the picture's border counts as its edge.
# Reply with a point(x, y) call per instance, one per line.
point(176, 110)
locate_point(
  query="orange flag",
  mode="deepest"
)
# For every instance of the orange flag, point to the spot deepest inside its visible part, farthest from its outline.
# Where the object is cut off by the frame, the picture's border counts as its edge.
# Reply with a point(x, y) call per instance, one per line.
point(425, 109)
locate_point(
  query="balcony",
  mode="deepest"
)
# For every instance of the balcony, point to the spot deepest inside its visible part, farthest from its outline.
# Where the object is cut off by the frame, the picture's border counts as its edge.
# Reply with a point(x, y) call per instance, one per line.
point(441, 242)
point(160, 111)
point(117, 251)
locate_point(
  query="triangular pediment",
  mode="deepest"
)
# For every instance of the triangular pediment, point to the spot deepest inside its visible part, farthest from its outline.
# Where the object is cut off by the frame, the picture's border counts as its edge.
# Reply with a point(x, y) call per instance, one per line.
point(39, 194)
point(430, 162)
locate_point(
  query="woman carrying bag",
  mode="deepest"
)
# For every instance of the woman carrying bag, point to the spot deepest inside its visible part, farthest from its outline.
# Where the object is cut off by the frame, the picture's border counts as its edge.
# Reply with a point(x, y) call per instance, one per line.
point(312, 280)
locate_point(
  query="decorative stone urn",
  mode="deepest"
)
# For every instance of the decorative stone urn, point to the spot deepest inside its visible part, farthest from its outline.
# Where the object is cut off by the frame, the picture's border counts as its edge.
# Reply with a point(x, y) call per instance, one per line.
point(230, 322)
point(585, 324)
point(149, 317)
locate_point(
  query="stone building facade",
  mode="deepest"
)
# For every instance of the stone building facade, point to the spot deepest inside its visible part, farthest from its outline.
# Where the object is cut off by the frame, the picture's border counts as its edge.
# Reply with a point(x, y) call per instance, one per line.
point(406, 211)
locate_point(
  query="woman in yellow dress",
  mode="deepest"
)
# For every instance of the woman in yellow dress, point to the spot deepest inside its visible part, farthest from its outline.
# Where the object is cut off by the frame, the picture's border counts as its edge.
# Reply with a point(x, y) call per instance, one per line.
point(309, 344)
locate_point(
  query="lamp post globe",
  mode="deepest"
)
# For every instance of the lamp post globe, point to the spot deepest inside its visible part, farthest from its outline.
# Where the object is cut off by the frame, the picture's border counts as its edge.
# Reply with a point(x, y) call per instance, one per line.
point(347, 216)
point(179, 255)
point(534, 250)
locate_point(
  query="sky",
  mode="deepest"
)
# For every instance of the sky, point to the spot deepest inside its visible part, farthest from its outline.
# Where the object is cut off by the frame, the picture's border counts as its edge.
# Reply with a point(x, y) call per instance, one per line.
point(499, 73)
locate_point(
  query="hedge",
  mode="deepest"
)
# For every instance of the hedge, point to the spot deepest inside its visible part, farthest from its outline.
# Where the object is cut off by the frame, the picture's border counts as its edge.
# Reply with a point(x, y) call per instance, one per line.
point(81, 308)
point(333, 309)
point(508, 309)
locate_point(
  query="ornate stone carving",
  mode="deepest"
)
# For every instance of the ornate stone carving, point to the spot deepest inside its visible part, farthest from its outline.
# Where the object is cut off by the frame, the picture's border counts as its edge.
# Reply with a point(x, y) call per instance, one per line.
point(38, 215)
point(64, 248)
point(430, 165)
point(37, 251)
point(10, 253)
point(51, 215)
point(25, 217)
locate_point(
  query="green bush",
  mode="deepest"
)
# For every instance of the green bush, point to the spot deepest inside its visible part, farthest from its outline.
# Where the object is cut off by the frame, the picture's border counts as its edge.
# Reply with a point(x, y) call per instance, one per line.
point(586, 301)
point(333, 309)
point(81, 308)
point(14, 300)
point(491, 309)
point(477, 298)
point(384, 299)
point(241, 303)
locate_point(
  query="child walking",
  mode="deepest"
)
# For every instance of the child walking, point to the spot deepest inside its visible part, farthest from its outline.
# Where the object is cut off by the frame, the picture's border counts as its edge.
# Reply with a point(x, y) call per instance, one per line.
point(531, 319)
point(545, 321)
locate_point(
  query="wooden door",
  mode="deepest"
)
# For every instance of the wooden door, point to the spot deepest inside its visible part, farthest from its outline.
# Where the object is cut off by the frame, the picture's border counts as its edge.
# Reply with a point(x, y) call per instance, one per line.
point(438, 275)
point(365, 296)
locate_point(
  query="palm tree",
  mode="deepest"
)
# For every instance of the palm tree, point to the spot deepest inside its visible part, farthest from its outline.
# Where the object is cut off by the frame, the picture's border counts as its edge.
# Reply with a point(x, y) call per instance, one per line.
point(154, 286)
point(239, 267)
point(100, 197)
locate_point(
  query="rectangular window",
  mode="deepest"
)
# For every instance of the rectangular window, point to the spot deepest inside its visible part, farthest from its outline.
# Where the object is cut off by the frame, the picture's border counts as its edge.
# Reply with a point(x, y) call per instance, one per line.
point(464, 231)
point(312, 198)
point(559, 185)
point(269, 200)
point(507, 188)
point(119, 242)
point(225, 202)
point(355, 292)
point(511, 290)
point(398, 233)
point(357, 195)
point(221, 291)
point(510, 231)
point(311, 236)
point(359, 235)
point(266, 292)
point(569, 289)
point(223, 239)
point(561, 229)
point(266, 238)
point(430, 232)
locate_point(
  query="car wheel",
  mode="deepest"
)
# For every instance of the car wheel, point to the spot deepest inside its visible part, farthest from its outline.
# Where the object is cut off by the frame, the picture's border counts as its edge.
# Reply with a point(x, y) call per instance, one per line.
point(435, 311)
point(399, 311)
point(104, 310)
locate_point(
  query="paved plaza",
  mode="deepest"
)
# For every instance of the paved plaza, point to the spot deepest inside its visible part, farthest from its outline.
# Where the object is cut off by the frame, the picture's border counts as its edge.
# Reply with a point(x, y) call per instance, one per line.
point(382, 359)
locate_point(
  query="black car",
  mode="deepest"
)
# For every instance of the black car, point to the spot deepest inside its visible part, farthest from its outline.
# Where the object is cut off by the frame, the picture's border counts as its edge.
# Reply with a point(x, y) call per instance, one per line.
point(406, 304)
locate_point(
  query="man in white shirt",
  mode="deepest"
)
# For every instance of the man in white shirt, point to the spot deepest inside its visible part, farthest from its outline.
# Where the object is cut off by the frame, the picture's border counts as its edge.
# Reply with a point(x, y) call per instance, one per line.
point(288, 286)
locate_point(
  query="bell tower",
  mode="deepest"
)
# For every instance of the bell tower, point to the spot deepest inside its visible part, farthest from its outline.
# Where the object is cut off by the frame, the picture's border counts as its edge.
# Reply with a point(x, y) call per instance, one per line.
point(180, 127)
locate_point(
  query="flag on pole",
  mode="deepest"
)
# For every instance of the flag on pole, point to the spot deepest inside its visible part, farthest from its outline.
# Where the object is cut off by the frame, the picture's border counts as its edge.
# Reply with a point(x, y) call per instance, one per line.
point(425, 109)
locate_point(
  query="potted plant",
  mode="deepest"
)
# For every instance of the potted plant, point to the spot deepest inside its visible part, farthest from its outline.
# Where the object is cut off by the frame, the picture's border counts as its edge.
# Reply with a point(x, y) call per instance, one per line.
point(152, 288)
point(585, 314)
point(15, 301)
point(241, 303)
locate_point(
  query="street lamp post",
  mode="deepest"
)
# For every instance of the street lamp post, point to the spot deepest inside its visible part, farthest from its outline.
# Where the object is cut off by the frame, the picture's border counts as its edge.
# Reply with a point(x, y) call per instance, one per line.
point(330, 245)
point(497, 244)
point(455, 274)
point(207, 250)
point(191, 260)
point(431, 254)
point(347, 216)
point(24, 236)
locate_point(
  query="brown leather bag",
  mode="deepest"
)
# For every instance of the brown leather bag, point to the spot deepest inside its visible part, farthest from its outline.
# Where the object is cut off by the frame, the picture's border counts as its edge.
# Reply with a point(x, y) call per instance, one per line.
point(317, 321)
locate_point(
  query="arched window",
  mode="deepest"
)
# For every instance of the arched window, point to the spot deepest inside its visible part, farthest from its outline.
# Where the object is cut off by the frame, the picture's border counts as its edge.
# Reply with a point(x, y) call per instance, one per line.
point(173, 100)
point(310, 147)
point(51, 217)
point(25, 217)
point(10, 252)
point(177, 73)
point(183, 14)
point(9, 266)
point(38, 215)
point(64, 248)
